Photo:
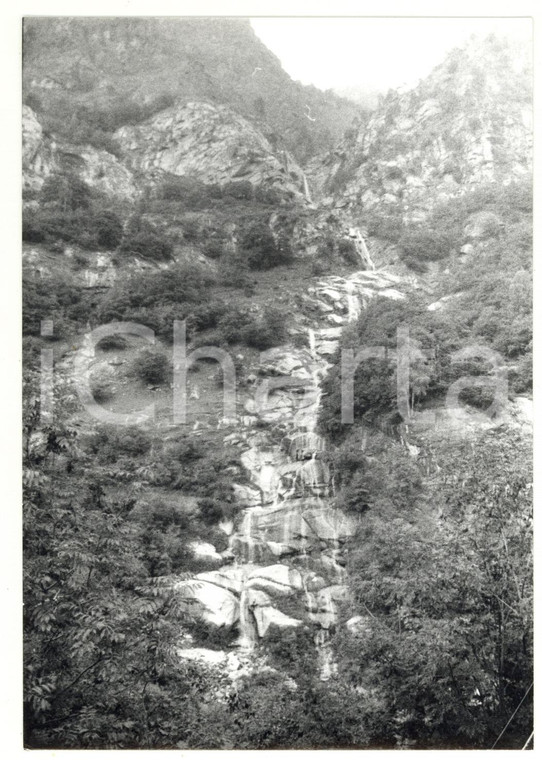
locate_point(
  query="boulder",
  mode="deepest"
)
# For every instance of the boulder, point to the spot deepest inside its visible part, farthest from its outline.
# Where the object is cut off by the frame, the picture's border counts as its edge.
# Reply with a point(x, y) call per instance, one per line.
point(270, 617)
point(209, 602)
point(203, 550)
point(276, 580)
point(330, 525)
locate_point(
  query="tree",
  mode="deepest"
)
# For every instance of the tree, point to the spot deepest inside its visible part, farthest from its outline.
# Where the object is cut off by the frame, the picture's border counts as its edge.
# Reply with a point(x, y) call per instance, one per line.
point(445, 593)
point(152, 366)
point(109, 229)
point(66, 191)
point(100, 635)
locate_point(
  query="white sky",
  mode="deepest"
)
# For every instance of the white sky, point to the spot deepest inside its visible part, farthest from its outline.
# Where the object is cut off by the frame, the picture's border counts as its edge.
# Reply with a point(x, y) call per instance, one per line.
point(372, 53)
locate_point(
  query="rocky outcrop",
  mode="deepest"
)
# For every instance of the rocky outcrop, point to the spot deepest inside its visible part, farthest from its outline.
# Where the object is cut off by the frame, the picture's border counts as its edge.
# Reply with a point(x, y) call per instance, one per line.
point(44, 155)
point(211, 143)
point(468, 123)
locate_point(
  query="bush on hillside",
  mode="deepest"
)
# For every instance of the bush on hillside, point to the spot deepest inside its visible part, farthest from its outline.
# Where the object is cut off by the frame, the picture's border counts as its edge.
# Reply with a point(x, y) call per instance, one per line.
point(240, 190)
point(152, 366)
point(108, 228)
point(261, 250)
point(424, 244)
point(233, 270)
point(348, 251)
point(70, 212)
point(191, 192)
point(109, 442)
point(214, 249)
point(113, 343)
point(144, 239)
point(67, 192)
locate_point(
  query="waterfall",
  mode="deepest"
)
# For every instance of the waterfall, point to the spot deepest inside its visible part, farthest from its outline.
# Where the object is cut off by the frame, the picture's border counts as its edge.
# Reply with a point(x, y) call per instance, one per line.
point(290, 545)
point(247, 633)
point(325, 655)
point(306, 190)
point(365, 251)
point(354, 306)
point(312, 342)
point(247, 535)
point(362, 249)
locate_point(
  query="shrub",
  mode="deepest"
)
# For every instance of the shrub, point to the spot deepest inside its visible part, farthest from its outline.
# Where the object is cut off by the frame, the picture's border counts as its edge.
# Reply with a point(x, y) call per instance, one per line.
point(156, 299)
point(191, 192)
point(152, 366)
point(347, 249)
point(207, 315)
point(269, 196)
point(233, 270)
point(191, 229)
point(210, 511)
point(33, 231)
point(48, 299)
point(112, 342)
point(80, 260)
point(214, 249)
point(109, 442)
point(240, 190)
point(319, 267)
point(162, 515)
point(65, 191)
point(142, 238)
point(522, 376)
point(84, 227)
point(261, 249)
point(101, 388)
point(109, 229)
point(425, 244)
point(269, 330)
point(385, 226)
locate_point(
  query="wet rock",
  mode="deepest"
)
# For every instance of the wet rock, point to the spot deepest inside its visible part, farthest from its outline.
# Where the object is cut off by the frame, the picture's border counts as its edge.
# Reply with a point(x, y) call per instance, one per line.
point(284, 361)
point(270, 617)
point(304, 445)
point(209, 602)
point(276, 580)
point(203, 550)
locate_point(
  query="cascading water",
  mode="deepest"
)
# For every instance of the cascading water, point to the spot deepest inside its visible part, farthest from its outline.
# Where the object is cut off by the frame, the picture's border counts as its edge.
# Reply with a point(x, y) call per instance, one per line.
point(290, 544)
point(354, 307)
point(361, 247)
point(247, 529)
point(312, 342)
point(247, 631)
point(306, 190)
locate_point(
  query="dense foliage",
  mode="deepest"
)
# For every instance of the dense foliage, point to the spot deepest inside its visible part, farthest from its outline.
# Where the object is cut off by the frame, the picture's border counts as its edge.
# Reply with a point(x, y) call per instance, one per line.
point(441, 580)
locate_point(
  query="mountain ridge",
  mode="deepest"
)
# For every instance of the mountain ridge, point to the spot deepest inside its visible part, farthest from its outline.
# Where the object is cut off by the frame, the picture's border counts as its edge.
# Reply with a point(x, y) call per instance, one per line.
point(94, 63)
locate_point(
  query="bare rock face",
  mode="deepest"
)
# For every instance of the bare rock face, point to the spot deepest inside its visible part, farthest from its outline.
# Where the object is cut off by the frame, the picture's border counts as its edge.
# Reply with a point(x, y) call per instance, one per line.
point(468, 123)
point(43, 156)
point(210, 142)
point(37, 153)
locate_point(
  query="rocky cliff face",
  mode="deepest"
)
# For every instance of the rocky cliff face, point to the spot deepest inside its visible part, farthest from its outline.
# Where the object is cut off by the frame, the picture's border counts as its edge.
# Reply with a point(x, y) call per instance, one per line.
point(211, 143)
point(469, 122)
point(116, 69)
point(44, 155)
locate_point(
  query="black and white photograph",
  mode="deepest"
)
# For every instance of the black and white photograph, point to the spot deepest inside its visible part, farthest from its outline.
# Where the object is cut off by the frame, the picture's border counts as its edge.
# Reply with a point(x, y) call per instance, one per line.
point(277, 380)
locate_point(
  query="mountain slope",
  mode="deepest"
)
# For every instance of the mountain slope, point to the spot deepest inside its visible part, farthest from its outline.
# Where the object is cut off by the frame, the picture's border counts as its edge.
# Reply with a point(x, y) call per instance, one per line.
point(469, 122)
point(114, 71)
